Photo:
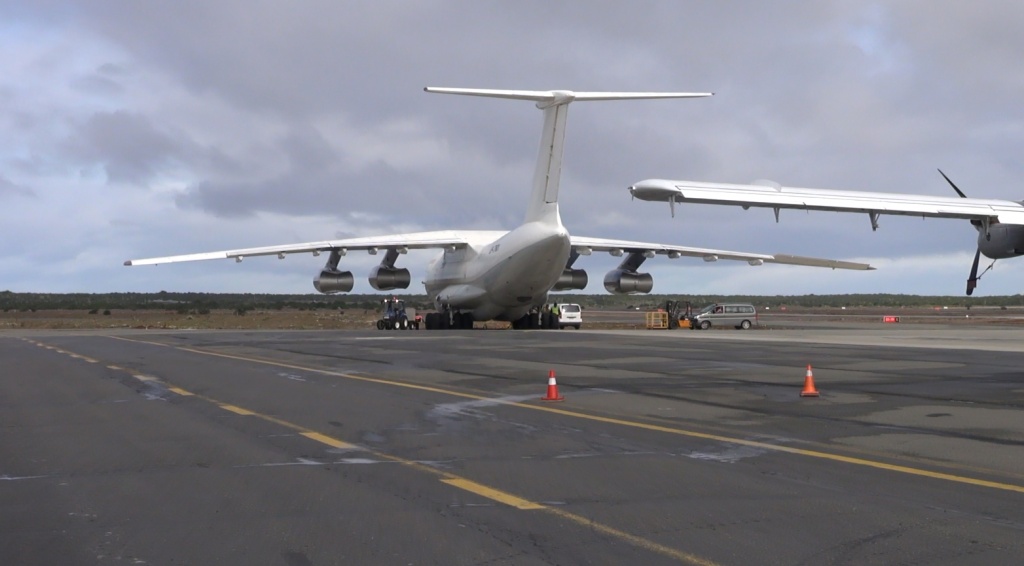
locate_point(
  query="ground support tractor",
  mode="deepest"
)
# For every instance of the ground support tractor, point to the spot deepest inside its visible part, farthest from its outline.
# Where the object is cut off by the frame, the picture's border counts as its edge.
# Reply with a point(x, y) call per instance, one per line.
point(395, 316)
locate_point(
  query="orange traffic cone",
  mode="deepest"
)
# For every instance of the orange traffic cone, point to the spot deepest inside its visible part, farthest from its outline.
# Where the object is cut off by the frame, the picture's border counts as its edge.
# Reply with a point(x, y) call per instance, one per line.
point(809, 390)
point(552, 389)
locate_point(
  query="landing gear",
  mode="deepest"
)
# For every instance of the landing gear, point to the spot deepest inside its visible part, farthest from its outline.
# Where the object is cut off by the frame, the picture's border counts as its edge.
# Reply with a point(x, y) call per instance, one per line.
point(462, 320)
point(526, 322)
point(448, 320)
point(437, 321)
point(551, 321)
point(537, 320)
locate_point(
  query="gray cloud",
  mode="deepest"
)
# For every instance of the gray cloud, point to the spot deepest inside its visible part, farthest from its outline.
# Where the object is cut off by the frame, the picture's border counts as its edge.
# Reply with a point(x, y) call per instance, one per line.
point(8, 188)
point(127, 144)
point(234, 110)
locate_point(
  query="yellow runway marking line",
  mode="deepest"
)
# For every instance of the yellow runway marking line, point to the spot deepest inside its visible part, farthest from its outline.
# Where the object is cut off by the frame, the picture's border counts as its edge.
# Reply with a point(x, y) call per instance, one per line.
point(115, 368)
point(637, 541)
point(790, 450)
point(324, 439)
point(237, 410)
point(378, 380)
point(494, 494)
point(446, 477)
point(180, 391)
point(633, 424)
point(141, 377)
point(483, 490)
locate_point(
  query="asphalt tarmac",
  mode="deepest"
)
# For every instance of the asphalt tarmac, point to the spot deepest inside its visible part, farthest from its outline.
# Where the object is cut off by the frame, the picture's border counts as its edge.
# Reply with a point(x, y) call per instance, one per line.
point(351, 447)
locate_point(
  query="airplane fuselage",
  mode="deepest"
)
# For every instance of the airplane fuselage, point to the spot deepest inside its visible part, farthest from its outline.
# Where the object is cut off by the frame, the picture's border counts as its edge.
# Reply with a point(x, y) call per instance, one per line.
point(501, 275)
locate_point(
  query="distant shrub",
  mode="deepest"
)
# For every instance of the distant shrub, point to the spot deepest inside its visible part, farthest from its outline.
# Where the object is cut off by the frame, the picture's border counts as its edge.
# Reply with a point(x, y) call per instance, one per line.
point(94, 311)
point(203, 311)
point(106, 312)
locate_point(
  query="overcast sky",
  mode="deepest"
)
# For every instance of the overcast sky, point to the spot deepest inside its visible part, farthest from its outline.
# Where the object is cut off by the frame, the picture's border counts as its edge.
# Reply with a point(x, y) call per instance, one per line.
point(139, 129)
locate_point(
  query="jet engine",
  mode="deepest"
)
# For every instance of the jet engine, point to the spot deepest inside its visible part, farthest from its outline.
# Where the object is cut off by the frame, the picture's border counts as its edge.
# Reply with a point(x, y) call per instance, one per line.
point(571, 279)
point(624, 282)
point(334, 281)
point(384, 278)
point(331, 279)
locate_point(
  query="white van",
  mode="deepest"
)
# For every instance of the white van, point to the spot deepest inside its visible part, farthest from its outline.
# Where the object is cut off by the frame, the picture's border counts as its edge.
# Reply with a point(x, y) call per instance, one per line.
point(737, 315)
point(570, 314)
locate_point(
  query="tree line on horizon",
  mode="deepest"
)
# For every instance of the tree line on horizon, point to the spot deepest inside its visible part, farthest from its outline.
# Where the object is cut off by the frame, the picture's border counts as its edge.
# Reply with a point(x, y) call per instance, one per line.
point(205, 302)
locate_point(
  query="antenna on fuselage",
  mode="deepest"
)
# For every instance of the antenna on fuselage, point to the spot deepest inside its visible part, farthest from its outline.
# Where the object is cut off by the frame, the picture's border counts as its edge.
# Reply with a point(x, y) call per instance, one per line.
point(555, 104)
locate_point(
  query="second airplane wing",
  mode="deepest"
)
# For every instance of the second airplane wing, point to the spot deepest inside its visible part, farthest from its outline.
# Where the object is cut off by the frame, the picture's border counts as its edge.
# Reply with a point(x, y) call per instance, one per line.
point(767, 194)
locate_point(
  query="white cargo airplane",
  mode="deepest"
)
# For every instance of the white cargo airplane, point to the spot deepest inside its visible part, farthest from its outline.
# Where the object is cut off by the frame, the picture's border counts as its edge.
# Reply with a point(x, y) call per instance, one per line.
point(1000, 223)
point(505, 275)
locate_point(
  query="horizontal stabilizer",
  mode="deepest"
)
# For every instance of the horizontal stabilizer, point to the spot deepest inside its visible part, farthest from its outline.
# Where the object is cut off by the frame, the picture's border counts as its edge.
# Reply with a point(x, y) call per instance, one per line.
point(562, 95)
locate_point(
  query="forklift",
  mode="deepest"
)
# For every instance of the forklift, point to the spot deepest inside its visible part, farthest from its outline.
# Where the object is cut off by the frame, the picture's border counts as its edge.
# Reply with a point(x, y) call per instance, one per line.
point(679, 314)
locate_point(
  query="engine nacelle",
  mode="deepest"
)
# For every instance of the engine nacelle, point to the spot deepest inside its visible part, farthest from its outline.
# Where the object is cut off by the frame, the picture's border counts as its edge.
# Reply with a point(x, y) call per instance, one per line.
point(571, 279)
point(625, 282)
point(332, 281)
point(1003, 241)
point(384, 278)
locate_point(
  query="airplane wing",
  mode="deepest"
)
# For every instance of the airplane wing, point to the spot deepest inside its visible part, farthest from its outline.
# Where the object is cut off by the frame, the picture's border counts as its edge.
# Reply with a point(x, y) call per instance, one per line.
point(401, 242)
point(585, 246)
point(772, 195)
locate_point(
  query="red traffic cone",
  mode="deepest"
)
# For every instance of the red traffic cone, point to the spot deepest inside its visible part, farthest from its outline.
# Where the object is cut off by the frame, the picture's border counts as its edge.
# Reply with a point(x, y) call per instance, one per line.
point(552, 389)
point(809, 390)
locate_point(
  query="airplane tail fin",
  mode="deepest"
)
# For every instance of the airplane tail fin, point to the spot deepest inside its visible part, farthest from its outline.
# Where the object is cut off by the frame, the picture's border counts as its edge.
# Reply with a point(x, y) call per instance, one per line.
point(555, 104)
